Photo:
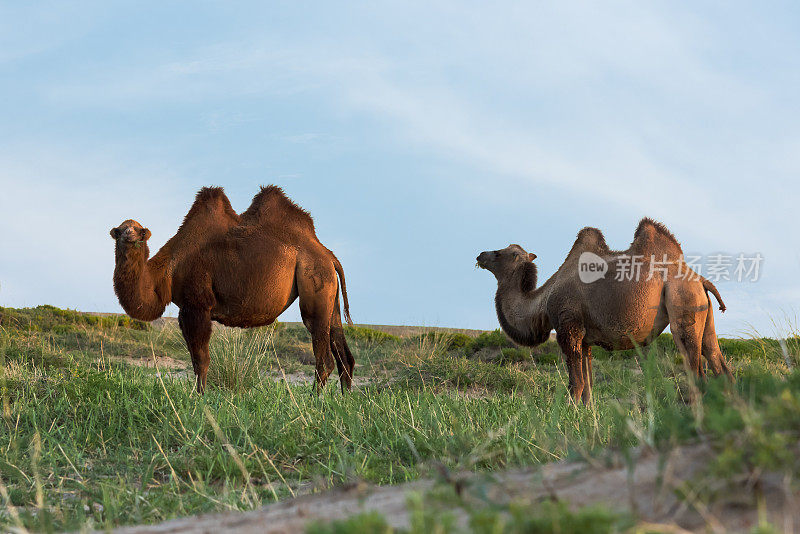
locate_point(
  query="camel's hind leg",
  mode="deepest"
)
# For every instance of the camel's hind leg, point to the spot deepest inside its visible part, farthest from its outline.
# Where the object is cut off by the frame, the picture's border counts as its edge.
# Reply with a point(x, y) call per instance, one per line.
point(320, 329)
point(345, 363)
point(195, 326)
point(687, 319)
point(711, 350)
point(316, 308)
point(570, 339)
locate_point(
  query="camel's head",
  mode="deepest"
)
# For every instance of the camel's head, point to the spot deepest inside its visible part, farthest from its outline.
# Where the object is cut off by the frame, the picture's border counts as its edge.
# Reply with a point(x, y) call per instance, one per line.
point(503, 262)
point(129, 232)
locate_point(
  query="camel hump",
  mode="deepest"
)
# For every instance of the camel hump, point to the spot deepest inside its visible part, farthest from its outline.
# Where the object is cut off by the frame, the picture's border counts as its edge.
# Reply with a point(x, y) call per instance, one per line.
point(653, 236)
point(272, 207)
point(591, 240)
point(210, 193)
point(211, 204)
point(210, 216)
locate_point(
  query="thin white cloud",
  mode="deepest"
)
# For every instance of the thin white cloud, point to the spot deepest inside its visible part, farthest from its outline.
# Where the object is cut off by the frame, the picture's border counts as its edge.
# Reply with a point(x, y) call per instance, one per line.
point(625, 105)
point(644, 47)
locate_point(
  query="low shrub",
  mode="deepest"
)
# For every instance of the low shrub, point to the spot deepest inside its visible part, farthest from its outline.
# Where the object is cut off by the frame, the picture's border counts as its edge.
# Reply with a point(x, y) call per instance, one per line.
point(514, 355)
point(551, 517)
point(365, 523)
point(446, 371)
point(446, 340)
point(496, 338)
point(362, 333)
point(546, 518)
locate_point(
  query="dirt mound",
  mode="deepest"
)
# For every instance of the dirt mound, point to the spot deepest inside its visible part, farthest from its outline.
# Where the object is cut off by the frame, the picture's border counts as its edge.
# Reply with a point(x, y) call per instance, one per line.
point(648, 492)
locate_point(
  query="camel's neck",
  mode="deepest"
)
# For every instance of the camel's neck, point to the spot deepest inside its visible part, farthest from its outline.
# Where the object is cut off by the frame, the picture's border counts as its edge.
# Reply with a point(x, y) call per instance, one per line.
point(521, 308)
point(143, 287)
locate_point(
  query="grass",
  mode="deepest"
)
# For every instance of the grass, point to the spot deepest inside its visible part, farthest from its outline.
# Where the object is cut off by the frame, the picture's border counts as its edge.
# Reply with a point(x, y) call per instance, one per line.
point(50, 318)
point(546, 518)
point(369, 335)
point(239, 357)
point(89, 439)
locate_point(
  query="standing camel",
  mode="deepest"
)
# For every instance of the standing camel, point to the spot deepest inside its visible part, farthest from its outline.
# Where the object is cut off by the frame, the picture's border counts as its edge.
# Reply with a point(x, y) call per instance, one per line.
point(610, 311)
point(240, 271)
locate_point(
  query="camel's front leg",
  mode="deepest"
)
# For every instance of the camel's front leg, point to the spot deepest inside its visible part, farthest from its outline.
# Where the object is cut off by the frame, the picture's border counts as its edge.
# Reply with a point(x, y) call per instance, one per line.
point(195, 325)
point(588, 375)
point(570, 339)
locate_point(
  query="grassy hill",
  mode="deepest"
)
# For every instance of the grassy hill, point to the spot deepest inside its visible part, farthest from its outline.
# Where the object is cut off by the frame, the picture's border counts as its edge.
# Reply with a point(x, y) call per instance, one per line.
point(101, 427)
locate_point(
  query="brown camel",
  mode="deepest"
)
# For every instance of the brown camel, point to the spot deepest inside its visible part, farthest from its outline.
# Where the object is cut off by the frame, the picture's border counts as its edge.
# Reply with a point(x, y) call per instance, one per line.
point(239, 271)
point(596, 306)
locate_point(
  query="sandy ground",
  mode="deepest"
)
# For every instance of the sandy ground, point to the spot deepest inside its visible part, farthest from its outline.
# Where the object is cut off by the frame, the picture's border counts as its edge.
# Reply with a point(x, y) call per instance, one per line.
point(649, 491)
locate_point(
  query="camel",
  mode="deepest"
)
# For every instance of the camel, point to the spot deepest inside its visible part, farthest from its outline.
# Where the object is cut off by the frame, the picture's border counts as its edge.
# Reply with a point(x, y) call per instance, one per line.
point(607, 310)
point(239, 270)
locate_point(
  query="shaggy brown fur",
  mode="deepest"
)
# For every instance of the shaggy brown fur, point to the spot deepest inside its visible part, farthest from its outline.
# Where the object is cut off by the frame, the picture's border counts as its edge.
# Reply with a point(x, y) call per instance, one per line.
point(240, 271)
point(613, 314)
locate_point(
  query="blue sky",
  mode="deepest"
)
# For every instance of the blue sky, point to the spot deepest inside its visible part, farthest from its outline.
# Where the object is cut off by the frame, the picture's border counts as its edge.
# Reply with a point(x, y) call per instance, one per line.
point(417, 133)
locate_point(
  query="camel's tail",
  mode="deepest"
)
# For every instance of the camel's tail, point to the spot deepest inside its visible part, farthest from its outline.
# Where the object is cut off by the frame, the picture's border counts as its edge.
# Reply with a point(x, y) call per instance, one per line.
point(711, 287)
point(340, 272)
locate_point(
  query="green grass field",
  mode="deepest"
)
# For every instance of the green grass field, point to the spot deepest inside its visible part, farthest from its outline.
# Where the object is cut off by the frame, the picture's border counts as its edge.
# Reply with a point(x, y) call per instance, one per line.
point(92, 439)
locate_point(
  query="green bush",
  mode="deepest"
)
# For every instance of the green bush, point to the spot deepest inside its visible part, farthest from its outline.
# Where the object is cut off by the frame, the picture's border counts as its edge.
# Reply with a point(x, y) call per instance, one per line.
point(547, 353)
point(366, 523)
point(457, 340)
point(446, 340)
point(551, 518)
point(496, 338)
point(362, 333)
point(514, 355)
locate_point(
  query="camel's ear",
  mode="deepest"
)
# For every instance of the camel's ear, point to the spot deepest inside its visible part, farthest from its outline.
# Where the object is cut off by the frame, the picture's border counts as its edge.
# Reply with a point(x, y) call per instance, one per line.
point(146, 233)
point(114, 233)
point(531, 256)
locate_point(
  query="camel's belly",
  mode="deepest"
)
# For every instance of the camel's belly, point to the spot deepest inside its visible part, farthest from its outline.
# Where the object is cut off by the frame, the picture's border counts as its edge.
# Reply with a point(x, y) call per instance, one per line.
point(253, 286)
point(627, 331)
point(624, 323)
point(242, 320)
point(623, 342)
point(253, 310)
